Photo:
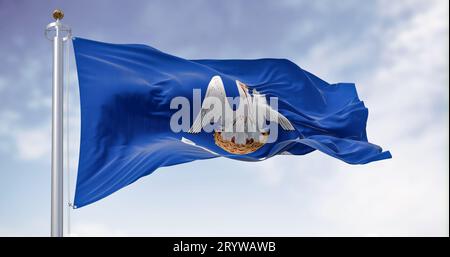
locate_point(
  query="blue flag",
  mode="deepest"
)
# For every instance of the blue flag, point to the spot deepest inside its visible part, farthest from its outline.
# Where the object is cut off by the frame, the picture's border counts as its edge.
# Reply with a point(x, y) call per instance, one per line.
point(142, 109)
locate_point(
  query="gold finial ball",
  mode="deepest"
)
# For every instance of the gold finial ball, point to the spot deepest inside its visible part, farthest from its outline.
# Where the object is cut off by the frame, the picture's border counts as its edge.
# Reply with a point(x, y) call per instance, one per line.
point(58, 14)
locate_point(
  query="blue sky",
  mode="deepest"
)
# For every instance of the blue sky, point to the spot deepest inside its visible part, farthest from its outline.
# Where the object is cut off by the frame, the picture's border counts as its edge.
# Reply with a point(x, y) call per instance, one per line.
point(395, 51)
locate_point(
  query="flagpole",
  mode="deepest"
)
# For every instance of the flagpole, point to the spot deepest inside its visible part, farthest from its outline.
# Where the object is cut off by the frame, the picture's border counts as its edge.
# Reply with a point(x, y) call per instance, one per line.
point(58, 33)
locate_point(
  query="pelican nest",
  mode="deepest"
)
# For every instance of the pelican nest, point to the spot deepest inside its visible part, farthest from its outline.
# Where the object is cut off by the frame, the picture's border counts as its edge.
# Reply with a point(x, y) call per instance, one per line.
point(234, 148)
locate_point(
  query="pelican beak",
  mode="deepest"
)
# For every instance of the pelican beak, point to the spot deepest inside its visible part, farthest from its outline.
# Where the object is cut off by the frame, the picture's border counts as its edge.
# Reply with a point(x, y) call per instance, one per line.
point(243, 87)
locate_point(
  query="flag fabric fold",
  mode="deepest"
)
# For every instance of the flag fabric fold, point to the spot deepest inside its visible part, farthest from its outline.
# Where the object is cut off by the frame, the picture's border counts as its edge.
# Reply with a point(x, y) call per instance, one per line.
point(126, 92)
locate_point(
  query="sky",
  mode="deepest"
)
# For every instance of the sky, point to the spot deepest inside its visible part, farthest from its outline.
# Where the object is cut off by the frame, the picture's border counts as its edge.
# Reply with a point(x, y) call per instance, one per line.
point(395, 51)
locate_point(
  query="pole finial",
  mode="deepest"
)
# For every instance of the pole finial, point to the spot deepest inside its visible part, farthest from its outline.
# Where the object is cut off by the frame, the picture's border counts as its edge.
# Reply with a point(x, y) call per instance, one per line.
point(57, 28)
point(58, 14)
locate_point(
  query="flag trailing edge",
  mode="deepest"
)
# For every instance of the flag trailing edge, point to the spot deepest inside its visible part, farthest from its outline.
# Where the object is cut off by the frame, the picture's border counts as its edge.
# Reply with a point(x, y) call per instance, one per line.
point(130, 96)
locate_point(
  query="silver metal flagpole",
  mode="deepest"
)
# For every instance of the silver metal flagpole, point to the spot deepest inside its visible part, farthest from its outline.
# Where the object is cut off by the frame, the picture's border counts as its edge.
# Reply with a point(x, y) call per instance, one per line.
point(58, 33)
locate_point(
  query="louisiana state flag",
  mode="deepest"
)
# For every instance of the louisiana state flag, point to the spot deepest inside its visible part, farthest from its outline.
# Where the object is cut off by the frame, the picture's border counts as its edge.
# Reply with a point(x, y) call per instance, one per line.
point(142, 109)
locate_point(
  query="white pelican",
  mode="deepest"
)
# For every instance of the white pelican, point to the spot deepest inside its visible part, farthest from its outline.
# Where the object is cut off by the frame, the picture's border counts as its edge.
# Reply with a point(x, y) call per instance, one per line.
point(244, 126)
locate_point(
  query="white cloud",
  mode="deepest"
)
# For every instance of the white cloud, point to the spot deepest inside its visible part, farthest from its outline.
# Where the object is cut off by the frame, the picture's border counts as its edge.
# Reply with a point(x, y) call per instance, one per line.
point(2, 83)
point(271, 172)
point(407, 92)
point(7, 121)
point(38, 100)
point(34, 143)
point(23, 143)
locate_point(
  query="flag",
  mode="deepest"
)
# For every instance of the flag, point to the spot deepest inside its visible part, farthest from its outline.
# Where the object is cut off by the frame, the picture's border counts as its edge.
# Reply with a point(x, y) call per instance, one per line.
point(142, 109)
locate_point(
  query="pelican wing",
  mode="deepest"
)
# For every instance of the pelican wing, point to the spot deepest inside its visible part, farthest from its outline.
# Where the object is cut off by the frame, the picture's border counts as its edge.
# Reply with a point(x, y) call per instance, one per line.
point(215, 89)
point(246, 100)
point(275, 116)
point(267, 113)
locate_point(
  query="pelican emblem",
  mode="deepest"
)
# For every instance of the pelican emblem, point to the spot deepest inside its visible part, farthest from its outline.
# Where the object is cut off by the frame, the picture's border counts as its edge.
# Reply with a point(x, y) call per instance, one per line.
point(241, 131)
